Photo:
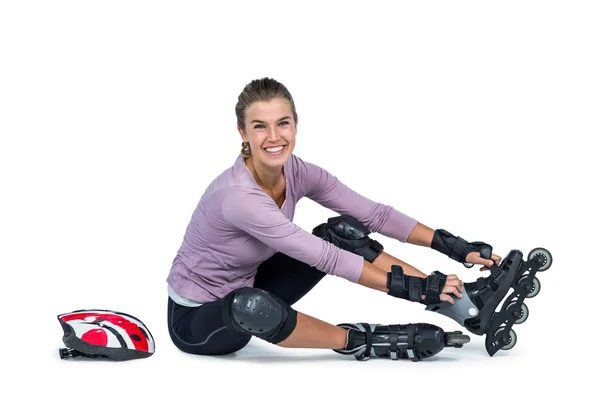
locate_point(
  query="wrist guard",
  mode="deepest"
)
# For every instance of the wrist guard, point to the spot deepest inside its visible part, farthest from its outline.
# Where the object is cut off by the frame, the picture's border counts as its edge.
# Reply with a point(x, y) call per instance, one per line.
point(412, 288)
point(457, 248)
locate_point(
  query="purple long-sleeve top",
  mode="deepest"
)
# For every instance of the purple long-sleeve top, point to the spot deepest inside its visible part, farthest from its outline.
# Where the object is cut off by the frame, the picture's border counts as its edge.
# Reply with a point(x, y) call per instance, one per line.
point(236, 226)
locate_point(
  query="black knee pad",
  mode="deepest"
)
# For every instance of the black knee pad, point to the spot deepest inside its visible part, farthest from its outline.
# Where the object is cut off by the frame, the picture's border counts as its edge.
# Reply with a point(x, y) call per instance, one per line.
point(259, 313)
point(349, 234)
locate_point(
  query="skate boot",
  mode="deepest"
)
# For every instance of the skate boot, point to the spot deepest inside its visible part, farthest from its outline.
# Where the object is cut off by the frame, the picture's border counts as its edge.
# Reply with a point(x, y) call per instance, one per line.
point(412, 341)
point(476, 309)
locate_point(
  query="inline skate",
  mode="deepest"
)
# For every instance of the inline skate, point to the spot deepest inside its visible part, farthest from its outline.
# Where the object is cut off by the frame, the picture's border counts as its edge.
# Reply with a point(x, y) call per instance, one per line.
point(476, 309)
point(416, 341)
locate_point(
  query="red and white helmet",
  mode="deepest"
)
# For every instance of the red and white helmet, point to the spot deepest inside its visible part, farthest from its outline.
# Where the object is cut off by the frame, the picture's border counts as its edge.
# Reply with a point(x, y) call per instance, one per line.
point(96, 333)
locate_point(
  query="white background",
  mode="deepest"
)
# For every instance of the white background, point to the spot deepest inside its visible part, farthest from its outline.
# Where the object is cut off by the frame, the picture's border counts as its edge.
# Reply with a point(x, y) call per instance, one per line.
point(477, 117)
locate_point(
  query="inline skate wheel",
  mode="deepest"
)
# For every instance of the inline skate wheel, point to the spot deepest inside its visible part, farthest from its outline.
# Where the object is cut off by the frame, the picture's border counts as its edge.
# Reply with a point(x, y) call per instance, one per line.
point(456, 339)
point(508, 342)
point(532, 289)
point(545, 255)
point(521, 315)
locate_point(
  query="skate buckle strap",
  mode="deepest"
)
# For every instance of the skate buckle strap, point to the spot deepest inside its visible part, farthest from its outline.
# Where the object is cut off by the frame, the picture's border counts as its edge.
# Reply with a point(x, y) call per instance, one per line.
point(494, 285)
point(481, 284)
point(495, 270)
point(410, 349)
point(368, 342)
point(394, 336)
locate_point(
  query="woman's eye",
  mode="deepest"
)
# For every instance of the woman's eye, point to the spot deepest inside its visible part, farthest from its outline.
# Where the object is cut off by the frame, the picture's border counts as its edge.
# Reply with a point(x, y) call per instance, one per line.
point(261, 126)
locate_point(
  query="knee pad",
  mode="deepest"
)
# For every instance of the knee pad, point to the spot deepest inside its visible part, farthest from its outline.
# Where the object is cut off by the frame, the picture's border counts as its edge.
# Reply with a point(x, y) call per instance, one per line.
point(349, 234)
point(258, 313)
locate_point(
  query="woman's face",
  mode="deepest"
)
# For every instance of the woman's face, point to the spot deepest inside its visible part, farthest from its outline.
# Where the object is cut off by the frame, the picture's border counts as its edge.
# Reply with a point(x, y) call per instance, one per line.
point(271, 132)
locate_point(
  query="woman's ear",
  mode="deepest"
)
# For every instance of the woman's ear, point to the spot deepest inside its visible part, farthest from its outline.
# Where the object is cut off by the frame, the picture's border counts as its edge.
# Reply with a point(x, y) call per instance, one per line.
point(242, 134)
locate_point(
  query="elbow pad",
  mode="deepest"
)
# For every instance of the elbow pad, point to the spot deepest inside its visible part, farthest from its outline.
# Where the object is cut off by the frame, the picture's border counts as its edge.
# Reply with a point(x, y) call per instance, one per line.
point(348, 233)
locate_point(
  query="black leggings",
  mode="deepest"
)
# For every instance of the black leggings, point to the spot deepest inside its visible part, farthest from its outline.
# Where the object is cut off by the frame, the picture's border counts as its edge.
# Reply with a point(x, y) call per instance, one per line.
point(201, 330)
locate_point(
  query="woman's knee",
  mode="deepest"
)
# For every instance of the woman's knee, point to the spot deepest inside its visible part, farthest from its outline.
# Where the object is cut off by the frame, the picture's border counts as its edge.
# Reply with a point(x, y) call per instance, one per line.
point(258, 313)
point(201, 331)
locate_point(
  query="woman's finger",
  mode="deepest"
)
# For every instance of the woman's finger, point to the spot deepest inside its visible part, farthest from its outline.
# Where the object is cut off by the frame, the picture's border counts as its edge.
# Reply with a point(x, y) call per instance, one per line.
point(452, 289)
point(445, 297)
point(475, 258)
point(455, 282)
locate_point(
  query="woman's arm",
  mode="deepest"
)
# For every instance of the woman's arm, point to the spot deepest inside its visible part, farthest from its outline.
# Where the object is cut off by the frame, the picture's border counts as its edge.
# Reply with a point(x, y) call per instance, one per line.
point(385, 261)
point(421, 235)
point(255, 213)
point(324, 188)
point(394, 283)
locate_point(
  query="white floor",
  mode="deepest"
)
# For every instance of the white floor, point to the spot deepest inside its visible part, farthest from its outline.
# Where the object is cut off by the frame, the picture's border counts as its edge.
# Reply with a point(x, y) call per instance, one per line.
point(550, 357)
point(474, 117)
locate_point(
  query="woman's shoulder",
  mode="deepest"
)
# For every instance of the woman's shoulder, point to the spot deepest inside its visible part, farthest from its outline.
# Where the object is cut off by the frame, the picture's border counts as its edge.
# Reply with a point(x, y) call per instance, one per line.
point(300, 165)
point(235, 176)
point(232, 181)
point(304, 170)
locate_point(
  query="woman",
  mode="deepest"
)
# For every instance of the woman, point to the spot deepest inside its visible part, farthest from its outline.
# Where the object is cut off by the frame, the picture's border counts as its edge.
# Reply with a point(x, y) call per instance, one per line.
point(244, 263)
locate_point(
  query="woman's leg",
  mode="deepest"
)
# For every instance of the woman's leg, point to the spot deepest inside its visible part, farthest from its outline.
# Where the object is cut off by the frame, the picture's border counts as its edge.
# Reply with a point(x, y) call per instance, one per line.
point(314, 333)
point(262, 314)
point(394, 341)
point(201, 330)
point(287, 278)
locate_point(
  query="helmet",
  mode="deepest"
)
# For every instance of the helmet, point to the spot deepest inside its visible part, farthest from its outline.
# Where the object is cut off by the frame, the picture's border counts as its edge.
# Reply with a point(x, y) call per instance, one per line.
point(96, 333)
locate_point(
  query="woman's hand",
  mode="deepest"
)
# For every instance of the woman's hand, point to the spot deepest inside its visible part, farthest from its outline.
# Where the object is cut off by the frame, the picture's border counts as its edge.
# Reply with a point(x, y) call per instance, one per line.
point(453, 286)
point(475, 258)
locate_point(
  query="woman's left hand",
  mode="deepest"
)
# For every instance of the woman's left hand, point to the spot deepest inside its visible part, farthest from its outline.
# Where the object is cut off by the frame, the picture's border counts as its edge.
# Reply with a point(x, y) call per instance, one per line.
point(475, 258)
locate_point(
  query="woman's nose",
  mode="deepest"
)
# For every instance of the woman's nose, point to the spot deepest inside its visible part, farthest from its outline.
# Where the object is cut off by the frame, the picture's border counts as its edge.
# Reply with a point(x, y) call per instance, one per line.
point(273, 134)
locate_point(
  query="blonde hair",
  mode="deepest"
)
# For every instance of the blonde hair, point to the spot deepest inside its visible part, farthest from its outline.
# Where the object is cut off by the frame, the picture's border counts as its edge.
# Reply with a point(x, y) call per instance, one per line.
point(245, 152)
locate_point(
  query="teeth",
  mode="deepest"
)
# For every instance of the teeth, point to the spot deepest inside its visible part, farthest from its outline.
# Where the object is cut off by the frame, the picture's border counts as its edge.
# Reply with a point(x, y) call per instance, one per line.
point(274, 149)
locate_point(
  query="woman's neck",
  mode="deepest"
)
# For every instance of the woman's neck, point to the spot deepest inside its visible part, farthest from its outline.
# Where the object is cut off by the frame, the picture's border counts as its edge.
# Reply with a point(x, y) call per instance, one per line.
point(268, 179)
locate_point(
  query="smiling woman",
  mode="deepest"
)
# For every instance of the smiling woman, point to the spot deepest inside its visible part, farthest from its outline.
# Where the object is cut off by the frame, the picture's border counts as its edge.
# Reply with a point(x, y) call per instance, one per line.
point(243, 263)
point(272, 133)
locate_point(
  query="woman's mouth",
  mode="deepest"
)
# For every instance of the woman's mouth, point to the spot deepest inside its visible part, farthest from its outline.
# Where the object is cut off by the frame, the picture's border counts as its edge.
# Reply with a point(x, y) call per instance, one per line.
point(275, 150)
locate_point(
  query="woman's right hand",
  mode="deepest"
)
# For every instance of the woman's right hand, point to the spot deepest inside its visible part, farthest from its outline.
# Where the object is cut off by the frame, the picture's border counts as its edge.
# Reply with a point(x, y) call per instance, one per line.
point(453, 286)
